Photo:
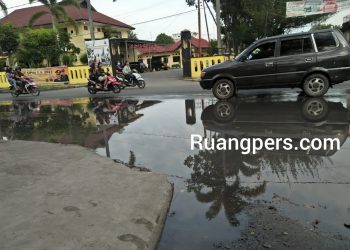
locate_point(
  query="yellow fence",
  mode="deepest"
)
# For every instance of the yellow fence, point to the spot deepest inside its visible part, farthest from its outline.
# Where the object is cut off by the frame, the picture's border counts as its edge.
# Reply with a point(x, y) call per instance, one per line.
point(3, 81)
point(198, 64)
point(78, 75)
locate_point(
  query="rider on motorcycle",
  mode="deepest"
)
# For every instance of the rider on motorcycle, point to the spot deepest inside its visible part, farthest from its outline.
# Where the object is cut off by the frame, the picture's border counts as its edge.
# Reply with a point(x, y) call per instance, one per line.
point(101, 75)
point(128, 72)
point(18, 76)
point(10, 77)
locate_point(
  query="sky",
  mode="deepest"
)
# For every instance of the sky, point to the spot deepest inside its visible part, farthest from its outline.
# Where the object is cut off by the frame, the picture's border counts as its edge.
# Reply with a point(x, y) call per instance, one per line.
point(136, 11)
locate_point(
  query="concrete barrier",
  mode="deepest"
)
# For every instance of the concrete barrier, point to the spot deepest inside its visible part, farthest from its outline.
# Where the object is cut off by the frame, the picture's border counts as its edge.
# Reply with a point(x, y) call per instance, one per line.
point(4, 84)
point(198, 64)
point(78, 75)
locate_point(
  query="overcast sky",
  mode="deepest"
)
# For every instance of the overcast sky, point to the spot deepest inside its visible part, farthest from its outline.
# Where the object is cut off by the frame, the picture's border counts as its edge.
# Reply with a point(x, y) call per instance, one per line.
point(136, 11)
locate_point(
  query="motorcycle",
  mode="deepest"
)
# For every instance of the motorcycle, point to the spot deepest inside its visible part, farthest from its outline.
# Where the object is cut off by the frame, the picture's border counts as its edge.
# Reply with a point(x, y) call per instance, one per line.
point(112, 85)
point(27, 87)
point(137, 80)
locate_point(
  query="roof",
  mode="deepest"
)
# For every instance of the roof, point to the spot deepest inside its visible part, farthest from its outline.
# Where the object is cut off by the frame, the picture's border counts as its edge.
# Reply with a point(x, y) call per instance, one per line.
point(20, 18)
point(295, 34)
point(159, 48)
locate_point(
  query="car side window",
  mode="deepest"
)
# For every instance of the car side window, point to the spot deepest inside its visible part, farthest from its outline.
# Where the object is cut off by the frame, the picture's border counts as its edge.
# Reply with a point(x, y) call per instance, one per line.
point(296, 46)
point(325, 41)
point(263, 51)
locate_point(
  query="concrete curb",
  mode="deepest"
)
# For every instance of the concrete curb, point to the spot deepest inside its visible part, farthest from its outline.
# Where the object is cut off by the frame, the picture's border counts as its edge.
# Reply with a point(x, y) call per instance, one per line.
point(52, 88)
point(55, 197)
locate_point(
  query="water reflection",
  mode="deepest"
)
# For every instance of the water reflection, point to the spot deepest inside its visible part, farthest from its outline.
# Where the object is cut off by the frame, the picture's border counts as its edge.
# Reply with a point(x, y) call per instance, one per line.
point(86, 122)
point(216, 175)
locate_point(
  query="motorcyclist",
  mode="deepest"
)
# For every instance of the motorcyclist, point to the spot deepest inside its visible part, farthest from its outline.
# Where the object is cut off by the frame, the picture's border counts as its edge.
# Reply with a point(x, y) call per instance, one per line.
point(18, 76)
point(10, 77)
point(101, 75)
point(128, 72)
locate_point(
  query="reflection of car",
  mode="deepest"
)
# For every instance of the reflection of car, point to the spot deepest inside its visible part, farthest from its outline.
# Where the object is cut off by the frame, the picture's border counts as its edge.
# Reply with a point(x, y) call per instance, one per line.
point(312, 61)
point(305, 118)
point(330, 6)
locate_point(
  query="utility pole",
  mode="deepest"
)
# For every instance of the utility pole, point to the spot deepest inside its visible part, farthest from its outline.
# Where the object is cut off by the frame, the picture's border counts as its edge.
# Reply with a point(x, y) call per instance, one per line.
point(199, 28)
point(91, 22)
point(218, 24)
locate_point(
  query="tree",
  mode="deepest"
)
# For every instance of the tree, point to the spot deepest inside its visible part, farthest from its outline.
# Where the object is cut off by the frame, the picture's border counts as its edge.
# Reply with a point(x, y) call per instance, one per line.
point(84, 58)
point(37, 45)
point(56, 11)
point(9, 40)
point(3, 7)
point(248, 20)
point(132, 35)
point(163, 38)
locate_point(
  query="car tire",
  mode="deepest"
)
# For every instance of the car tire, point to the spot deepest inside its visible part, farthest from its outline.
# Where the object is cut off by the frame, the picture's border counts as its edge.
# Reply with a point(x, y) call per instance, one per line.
point(316, 85)
point(315, 109)
point(224, 111)
point(224, 89)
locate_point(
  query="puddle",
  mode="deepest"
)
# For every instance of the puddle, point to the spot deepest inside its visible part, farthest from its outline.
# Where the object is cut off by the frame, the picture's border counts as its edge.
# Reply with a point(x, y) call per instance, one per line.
point(212, 188)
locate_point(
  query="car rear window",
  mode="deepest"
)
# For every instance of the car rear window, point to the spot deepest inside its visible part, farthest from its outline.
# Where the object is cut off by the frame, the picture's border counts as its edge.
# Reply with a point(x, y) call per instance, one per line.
point(325, 41)
point(296, 46)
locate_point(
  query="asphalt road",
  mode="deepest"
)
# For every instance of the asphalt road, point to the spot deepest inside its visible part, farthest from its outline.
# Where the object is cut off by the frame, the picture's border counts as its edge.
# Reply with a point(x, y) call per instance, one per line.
point(160, 83)
point(168, 84)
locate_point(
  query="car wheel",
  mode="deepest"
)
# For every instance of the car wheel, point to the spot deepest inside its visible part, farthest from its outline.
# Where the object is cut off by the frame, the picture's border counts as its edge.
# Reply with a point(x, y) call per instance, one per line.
point(315, 109)
point(316, 85)
point(224, 111)
point(224, 89)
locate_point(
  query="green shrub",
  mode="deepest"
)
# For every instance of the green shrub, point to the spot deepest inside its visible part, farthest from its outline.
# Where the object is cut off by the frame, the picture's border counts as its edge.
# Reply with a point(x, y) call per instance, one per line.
point(84, 58)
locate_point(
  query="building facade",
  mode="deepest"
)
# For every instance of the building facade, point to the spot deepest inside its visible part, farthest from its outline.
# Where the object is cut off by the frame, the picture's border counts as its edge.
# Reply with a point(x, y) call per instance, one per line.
point(104, 26)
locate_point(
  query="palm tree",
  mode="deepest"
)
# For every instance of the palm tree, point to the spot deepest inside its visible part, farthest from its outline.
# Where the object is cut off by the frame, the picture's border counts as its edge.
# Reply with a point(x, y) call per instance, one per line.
point(3, 7)
point(56, 10)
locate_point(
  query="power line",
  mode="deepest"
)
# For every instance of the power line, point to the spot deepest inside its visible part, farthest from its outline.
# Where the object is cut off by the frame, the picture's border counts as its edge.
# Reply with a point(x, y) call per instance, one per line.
point(21, 5)
point(162, 18)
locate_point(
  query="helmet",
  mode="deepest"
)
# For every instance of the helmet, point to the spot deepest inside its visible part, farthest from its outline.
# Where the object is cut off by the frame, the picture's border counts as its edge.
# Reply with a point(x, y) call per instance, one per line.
point(18, 68)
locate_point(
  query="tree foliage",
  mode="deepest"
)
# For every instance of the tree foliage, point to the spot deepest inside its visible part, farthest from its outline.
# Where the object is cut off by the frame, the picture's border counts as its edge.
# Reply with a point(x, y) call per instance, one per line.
point(163, 38)
point(247, 20)
point(9, 38)
point(37, 45)
point(56, 10)
point(3, 7)
point(132, 35)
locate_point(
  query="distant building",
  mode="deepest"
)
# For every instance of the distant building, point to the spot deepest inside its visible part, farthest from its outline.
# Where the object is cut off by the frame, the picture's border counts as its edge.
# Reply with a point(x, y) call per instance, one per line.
point(102, 23)
point(170, 54)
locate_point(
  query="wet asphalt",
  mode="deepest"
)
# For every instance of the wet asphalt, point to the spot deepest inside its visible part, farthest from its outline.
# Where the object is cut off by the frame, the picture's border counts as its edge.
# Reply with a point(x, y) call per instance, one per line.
point(152, 128)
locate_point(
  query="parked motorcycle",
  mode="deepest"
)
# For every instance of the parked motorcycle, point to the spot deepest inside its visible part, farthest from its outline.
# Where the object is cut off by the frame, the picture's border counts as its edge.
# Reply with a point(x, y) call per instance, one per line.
point(26, 87)
point(112, 85)
point(137, 80)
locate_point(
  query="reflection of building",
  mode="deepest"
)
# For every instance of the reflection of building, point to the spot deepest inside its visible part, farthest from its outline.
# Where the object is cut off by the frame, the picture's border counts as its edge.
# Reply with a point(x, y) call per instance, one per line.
point(102, 24)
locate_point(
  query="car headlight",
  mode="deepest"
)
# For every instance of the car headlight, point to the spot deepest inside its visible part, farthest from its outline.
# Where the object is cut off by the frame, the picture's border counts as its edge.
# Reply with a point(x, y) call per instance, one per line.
point(203, 74)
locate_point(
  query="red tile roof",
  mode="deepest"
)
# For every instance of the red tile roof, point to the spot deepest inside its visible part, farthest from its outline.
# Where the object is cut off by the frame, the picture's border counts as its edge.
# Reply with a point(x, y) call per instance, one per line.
point(158, 48)
point(20, 18)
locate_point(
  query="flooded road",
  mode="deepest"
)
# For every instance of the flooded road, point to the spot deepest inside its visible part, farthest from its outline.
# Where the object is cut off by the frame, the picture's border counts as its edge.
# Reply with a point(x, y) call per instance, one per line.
point(212, 188)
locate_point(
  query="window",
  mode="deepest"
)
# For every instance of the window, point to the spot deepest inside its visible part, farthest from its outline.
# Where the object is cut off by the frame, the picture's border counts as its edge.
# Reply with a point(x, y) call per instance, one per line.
point(176, 59)
point(98, 29)
point(296, 46)
point(86, 28)
point(325, 41)
point(265, 50)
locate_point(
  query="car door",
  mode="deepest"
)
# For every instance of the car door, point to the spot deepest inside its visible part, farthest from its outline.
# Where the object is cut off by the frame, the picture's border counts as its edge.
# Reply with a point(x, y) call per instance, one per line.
point(296, 57)
point(258, 69)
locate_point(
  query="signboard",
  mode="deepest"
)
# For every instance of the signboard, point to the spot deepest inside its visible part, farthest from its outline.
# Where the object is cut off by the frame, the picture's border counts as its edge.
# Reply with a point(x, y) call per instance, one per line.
point(98, 51)
point(47, 75)
point(314, 7)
